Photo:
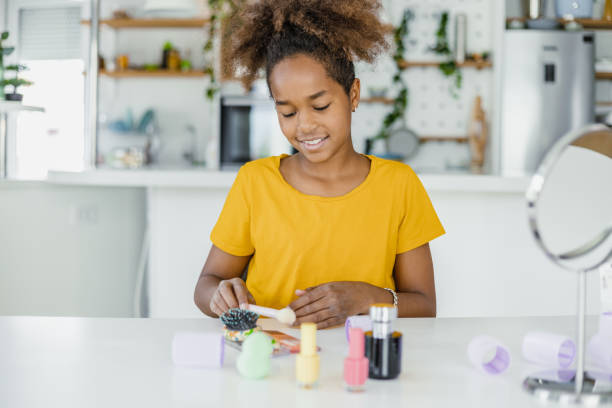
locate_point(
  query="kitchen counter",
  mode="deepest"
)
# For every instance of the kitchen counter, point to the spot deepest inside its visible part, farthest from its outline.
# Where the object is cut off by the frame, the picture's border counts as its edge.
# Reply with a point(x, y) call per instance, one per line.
point(88, 362)
point(198, 178)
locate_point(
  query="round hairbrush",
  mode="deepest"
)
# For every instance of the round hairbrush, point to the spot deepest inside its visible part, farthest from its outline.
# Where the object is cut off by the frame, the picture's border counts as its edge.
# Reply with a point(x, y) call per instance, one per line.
point(239, 319)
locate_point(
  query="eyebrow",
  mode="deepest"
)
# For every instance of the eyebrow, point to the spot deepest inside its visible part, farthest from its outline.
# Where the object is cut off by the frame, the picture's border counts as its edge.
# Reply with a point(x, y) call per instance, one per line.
point(311, 97)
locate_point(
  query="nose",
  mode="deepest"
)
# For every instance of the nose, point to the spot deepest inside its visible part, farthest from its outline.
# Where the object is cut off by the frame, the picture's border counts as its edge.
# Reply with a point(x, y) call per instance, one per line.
point(306, 123)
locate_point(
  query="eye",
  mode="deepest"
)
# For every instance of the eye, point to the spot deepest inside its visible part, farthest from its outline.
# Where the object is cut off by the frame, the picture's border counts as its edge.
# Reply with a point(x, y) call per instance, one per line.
point(288, 115)
point(323, 107)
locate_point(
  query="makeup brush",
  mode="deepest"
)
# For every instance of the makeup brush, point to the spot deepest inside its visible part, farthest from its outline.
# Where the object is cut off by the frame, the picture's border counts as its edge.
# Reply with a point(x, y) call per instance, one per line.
point(286, 315)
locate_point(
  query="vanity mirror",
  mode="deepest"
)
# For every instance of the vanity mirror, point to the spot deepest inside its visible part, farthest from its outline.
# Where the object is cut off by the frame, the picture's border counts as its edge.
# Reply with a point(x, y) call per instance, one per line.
point(569, 205)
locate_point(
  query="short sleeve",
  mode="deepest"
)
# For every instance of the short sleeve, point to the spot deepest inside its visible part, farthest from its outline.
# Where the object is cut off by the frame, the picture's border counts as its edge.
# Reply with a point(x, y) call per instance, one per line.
point(420, 223)
point(232, 232)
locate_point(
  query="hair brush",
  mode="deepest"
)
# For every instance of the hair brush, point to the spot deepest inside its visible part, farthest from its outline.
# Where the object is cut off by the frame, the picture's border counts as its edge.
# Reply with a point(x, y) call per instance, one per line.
point(239, 319)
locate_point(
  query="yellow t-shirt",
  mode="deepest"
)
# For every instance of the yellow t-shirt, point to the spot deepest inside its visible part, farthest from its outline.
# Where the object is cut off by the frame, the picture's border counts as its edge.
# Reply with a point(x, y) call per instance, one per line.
point(299, 240)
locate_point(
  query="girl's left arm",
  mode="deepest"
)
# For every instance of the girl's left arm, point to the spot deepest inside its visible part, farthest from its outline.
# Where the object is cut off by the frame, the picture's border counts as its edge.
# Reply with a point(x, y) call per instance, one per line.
point(331, 303)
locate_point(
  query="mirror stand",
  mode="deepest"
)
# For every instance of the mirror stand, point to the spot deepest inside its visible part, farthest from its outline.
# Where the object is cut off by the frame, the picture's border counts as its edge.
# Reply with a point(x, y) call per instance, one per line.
point(573, 386)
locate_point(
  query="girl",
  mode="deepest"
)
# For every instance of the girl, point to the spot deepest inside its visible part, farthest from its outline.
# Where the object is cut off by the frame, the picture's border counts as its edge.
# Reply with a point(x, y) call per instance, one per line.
point(326, 231)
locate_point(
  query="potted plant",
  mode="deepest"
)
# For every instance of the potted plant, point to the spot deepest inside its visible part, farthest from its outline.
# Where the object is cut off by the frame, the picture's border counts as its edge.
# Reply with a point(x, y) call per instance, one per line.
point(15, 82)
point(3, 51)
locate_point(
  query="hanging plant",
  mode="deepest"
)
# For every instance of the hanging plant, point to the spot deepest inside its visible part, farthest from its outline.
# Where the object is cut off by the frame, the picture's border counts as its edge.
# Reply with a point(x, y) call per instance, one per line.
point(219, 11)
point(448, 68)
point(400, 103)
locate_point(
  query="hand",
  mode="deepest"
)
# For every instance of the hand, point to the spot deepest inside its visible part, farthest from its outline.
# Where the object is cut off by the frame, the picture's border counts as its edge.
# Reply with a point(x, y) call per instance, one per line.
point(230, 293)
point(331, 303)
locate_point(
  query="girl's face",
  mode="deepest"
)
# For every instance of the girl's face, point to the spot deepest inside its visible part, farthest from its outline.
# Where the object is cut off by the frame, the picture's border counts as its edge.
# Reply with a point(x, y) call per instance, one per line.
point(313, 109)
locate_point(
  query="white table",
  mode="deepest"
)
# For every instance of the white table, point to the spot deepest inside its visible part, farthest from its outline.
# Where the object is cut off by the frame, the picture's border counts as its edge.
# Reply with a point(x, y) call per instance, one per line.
point(94, 362)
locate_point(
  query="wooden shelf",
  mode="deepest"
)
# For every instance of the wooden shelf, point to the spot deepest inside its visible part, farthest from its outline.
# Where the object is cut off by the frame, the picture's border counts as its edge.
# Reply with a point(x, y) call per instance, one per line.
point(587, 23)
point(132, 73)
point(458, 139)
point(603, 75)
point(604, 103)
point(467, 64)
point(386, 101)
point(152, 22)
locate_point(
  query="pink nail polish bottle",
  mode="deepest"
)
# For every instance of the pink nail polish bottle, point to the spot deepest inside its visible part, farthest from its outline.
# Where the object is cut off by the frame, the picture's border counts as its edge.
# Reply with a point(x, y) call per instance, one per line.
point(356, 364)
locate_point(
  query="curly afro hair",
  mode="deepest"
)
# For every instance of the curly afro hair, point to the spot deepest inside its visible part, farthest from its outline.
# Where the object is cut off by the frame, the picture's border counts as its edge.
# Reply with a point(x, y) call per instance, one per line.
point(334, 32)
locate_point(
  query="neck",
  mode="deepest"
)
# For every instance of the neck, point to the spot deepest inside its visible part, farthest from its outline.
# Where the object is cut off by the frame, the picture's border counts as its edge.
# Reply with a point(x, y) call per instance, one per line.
point(341, 163)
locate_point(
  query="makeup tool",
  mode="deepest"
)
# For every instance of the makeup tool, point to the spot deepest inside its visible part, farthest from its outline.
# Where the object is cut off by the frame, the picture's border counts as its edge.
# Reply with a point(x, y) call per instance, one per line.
point(307, 361)
point(356, 365)
point(383, 346)
point(254, 361)
point(549, 349)
point(488, 355)
point(239, 324)
point(199, 350)
point(286, 315)
point(599, 352)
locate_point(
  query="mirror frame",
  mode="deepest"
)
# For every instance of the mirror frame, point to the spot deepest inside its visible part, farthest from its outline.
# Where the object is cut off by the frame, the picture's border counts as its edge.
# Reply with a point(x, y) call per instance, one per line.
point(535, 189)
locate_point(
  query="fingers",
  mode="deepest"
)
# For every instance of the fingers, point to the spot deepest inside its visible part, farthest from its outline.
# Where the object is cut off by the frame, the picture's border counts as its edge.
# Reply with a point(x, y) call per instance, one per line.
point(241, 292)
point(316, 317)
point(218, 305)
point(226, 291)
point(309, 296)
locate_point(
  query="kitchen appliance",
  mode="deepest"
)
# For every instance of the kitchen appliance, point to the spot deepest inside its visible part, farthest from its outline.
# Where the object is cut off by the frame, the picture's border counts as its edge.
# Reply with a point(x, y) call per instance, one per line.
point(249, 130)
point(547, 90)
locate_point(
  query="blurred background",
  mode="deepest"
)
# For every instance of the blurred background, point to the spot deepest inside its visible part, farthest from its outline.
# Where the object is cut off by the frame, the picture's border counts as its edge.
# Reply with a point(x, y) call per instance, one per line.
point(120, 136)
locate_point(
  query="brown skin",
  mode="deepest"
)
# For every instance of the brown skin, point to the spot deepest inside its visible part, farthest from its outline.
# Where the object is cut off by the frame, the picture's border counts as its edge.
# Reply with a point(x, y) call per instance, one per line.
point(311, 105)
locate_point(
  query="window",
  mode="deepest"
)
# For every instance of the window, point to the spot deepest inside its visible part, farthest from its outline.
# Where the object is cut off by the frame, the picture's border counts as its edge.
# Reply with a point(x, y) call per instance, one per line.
point(48, 41)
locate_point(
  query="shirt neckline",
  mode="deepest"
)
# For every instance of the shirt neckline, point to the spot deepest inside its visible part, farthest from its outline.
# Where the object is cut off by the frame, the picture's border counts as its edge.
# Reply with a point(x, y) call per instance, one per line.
point(361, 186)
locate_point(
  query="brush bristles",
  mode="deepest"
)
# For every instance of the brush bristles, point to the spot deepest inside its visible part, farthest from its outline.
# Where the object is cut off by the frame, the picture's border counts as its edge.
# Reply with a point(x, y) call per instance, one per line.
point(239, 319)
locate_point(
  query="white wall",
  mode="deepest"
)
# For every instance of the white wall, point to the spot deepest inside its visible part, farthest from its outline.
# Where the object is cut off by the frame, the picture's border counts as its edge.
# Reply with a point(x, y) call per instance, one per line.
point(68, 251)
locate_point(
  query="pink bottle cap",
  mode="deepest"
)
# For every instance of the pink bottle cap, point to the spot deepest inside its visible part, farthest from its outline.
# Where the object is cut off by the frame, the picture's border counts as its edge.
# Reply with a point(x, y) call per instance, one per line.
point(205, 350)
point(356, 366)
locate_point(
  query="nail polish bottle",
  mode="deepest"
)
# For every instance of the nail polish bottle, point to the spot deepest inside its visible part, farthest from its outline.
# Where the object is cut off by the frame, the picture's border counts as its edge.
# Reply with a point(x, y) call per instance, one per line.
point(383, 346)
point(307, 361)
point(356, 365)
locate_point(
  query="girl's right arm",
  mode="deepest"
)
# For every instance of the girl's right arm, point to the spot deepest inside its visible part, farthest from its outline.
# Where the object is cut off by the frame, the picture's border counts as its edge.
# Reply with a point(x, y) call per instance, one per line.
point(220, 287)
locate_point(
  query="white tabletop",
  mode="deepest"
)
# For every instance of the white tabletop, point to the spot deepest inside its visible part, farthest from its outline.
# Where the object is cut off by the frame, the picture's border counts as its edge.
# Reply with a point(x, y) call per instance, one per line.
point(95, 362)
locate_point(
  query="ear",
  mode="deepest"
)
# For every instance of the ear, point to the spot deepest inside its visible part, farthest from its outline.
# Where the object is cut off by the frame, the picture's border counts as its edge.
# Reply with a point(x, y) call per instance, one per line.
point(354, 94)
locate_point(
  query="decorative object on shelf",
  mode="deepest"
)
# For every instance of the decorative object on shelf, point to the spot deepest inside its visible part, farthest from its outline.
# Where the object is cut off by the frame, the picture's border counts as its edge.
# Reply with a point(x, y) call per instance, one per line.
point(570, 9)
point(448, 68)
point(477, 136)
point(174, 60)
point(15, 82)
point(167, 48)
point(4, 51)
point(121, 14)
point(607, 12)
point(460, 38)
point(535, 9)
point(127, 124)
point(123, 61)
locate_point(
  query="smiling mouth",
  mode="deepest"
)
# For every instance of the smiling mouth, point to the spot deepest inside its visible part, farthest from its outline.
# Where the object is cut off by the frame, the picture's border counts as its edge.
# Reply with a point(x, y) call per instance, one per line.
point(314, 142)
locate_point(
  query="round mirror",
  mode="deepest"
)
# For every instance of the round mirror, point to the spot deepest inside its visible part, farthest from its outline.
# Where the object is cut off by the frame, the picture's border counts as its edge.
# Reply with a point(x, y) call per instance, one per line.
point(570, 200)
point(569, 205)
